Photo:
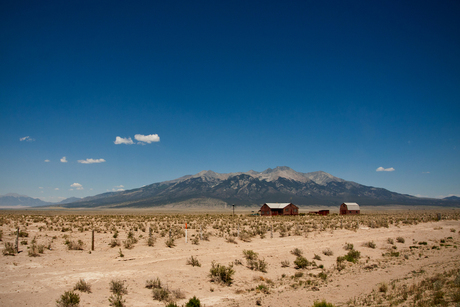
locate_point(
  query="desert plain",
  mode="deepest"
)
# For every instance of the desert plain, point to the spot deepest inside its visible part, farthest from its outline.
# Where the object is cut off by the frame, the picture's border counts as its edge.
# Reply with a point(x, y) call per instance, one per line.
point(386, 258)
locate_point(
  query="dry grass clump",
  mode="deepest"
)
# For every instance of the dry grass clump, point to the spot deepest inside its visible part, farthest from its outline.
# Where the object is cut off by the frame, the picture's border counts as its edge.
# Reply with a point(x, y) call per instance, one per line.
point(193, 261)
point(221, 273)
point(153, 283)
point(370, 244)
point(68, 299)
point(82, 286)
point(9, 249)
point(72, 245)
point(285, 263)
point(297, 252)
point(118, 287)
point(117, 300)
point(400, 240)
point(328, 252)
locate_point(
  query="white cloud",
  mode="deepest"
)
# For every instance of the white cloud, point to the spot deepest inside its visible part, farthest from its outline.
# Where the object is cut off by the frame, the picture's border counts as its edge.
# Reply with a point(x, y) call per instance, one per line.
point(47, 160)
point(147, 138)
point(64, 160)
point(425, 172)
point(91, 161)
point(56, 189)
point(120, 140)
point(41, 188)
point(77, 186)
point(381, 169)
point(118, 188)
point(27, 139)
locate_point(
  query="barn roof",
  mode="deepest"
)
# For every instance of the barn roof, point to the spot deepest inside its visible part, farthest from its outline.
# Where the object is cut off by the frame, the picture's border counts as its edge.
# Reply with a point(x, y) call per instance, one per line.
point(277, 205)
point(352, 206)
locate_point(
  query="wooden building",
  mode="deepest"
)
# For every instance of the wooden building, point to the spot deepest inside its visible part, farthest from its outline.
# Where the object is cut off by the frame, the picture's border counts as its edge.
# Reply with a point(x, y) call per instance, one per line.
point(270, 209)
point(320, 212)
point(349, 208)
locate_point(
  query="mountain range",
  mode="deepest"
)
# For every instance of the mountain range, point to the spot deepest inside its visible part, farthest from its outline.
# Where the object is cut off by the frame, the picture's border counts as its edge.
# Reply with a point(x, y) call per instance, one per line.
point(281, 184)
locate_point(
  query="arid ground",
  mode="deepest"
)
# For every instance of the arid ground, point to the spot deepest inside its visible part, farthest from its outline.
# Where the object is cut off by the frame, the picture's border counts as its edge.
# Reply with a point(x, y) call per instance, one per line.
point(405, 258)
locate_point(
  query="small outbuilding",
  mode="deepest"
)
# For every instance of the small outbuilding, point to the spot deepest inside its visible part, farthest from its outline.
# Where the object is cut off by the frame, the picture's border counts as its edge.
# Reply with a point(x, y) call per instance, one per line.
point(320, 212)
point(349, 208)
point(270, 209)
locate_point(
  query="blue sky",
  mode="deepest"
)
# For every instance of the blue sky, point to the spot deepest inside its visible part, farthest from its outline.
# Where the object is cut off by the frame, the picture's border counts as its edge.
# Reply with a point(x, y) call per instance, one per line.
point(347, 87)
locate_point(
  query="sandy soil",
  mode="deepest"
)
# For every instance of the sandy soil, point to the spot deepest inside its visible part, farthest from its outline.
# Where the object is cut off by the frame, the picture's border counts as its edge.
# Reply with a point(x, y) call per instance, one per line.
point(39, 281)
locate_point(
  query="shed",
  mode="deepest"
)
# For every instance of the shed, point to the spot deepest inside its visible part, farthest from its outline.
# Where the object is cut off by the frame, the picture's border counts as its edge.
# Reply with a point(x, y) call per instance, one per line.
point(349, 208)
point(269, 209)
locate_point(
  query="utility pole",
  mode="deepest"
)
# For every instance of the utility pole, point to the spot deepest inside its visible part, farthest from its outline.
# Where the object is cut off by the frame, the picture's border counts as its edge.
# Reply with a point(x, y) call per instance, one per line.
point(233, 210)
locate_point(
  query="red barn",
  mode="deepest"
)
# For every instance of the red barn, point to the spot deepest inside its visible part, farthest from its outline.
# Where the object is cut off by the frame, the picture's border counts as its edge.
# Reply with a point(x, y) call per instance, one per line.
point(269, 209)
point(349, 208)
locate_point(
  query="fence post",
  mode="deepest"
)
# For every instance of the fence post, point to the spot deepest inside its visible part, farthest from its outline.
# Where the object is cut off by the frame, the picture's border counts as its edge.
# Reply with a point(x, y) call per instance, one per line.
point(201, 234)
point(170, 233)
point(92, 240)
point(271, 232)
point(185, 232)
point(17, 242)
point(238, 230)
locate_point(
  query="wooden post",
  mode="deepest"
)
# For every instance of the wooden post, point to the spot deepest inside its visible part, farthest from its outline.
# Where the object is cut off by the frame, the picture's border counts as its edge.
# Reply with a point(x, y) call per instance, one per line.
point(150, 232)
point(201, 234)
point(185, 232)
point(17, 241)
point(271, 232)
point(238, 230)
point(92, 240)
point(170, 233)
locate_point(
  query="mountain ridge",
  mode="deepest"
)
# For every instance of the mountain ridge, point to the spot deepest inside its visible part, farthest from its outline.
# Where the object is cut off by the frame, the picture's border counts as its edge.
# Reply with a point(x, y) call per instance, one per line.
point(251, 188)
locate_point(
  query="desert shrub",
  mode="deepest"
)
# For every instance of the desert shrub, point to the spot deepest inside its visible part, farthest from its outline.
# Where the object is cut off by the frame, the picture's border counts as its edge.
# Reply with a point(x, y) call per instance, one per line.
point(68, 299)
point(258, 265)
point(285, 263)
point(129, 243)
point(263, 288)
point(118, 287)
point(82, 286)
point(383, 287)
point(151, 241)
point(9, 249)
point(114, 243)
point(352, 256)
point(170, 243)
point(245, 237)
point(369, 244)
point(193, 261)
point(250, 255)
point(390, 241)
point(328, 252)
point(323, 303)
point(231, 239)
point(116, 300)
point(1, 235)
point(22, 233)
point(221, 273)
point(297, 252)
point(33, 251)
point(348, 246)
point(298, 274)
point(196, 240)
point(400, 240)
point(193, 302)
point(153, 283)
point(72, 245)
point(171, 304)
point(160, 294)
point(322, 275)
point(301, 262)
point(317, 257)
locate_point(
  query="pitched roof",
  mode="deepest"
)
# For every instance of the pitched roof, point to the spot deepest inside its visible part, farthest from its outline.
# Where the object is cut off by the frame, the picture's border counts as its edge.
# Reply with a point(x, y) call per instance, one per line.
point(352, 206)
point(277, 205)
